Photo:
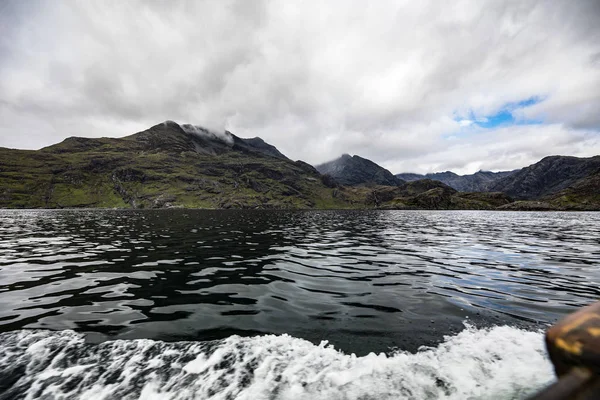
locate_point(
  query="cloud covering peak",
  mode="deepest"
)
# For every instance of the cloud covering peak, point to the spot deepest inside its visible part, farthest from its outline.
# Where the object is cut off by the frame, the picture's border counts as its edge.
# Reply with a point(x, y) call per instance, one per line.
point(414, 86)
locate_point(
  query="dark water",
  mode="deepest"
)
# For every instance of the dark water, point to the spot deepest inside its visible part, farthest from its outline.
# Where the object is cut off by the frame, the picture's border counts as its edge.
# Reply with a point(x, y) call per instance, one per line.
point(366, 281)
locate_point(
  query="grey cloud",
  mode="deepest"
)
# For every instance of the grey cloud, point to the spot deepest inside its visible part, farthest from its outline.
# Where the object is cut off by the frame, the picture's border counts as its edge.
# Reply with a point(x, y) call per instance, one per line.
point(388, 80)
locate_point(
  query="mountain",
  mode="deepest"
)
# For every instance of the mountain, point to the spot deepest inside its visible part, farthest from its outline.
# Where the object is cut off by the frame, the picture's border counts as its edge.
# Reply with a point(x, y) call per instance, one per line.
point(480, 181)
point(548, 177)
point(355, 170)
point(172, 165)
point(553, 183)
point(168, 165)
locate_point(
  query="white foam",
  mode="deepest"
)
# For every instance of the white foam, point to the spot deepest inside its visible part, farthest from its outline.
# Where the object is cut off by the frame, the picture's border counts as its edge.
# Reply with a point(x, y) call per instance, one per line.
point(498, 363)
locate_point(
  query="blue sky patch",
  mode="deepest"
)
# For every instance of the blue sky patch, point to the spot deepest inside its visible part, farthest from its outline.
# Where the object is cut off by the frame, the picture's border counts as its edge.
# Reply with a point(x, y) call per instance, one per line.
point(504, 116)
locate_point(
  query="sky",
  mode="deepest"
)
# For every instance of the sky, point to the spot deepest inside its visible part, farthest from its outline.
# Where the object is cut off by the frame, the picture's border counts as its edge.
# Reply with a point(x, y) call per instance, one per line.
point(416, 86)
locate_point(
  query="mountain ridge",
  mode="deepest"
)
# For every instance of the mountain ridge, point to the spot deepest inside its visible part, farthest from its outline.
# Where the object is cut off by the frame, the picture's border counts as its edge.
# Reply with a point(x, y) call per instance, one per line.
point(548, 176)
point(172, 165)
point(480, 181)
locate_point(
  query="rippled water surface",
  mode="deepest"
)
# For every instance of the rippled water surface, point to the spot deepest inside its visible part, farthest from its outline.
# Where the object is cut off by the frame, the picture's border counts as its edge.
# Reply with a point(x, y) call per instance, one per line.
point(366, 281)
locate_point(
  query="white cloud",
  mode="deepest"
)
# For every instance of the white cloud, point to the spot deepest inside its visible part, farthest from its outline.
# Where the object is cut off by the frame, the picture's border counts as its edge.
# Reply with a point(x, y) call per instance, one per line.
point(501, 149)
point(392, 80)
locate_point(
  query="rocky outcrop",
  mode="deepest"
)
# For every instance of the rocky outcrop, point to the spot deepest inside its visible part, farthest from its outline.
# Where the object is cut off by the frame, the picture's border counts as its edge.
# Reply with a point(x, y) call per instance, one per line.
point(427, 194)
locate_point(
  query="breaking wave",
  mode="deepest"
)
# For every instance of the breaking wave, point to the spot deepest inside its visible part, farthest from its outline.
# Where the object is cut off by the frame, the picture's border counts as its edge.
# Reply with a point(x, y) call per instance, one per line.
point(496, 363)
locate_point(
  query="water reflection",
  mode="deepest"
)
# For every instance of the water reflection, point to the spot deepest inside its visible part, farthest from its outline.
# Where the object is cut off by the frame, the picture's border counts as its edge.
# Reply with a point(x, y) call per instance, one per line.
point(363, 279)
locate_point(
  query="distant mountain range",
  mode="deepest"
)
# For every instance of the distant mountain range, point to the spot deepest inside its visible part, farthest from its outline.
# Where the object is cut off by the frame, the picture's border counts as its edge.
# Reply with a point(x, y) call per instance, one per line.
point(478, 182)
point(172, 165)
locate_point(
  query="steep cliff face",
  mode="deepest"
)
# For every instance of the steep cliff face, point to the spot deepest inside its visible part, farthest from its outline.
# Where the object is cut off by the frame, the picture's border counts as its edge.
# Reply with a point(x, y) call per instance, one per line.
point(548, 177)
point(168, 165)
point(480, 181)
point(355, 170)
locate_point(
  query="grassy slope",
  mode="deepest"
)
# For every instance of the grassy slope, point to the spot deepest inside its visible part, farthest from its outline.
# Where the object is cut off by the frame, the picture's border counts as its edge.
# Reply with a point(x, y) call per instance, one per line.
point(116, 179)
point(137, 172)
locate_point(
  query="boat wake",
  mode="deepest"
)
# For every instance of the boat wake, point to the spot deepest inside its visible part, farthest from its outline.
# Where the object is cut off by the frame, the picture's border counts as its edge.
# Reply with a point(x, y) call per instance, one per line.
point(496, 363)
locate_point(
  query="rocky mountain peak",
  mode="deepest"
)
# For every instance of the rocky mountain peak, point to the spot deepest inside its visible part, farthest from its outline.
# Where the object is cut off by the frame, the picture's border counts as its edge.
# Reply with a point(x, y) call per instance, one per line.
point(355, 170)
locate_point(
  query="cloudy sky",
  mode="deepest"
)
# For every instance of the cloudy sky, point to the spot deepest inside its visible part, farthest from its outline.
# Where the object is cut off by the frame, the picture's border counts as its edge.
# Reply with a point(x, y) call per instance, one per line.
point(416, 86)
